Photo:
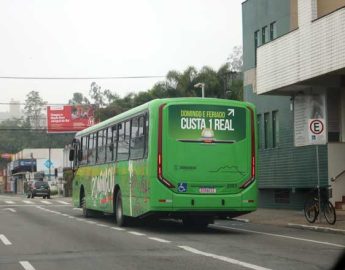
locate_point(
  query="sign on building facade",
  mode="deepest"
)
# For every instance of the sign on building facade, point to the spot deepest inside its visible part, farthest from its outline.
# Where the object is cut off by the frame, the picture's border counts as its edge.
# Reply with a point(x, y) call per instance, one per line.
point(310, 119)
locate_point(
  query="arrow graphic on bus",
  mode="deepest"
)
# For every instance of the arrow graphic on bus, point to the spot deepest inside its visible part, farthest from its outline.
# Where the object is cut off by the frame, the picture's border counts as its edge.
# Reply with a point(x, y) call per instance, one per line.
point(231, 112)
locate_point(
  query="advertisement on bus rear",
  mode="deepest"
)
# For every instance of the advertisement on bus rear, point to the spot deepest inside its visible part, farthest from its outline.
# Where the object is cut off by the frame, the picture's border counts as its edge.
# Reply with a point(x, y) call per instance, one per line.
point(207, 123)
point(69, 118)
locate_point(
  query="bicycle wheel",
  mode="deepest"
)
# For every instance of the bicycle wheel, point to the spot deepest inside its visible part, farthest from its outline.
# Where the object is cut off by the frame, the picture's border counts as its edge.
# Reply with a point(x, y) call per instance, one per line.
point(329, 213)
point(310, 210)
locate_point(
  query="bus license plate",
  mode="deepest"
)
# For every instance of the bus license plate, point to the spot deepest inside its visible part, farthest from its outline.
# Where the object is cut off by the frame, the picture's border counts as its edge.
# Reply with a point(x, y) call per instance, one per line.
point(207, 190)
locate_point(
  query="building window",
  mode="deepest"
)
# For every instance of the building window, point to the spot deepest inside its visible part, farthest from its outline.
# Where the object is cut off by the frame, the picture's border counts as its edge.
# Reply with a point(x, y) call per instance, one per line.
point(259, 121)
point(275, 129)
point(257, 38)
point(273, 31)
point(264, 34)
point(256, 42)
point(266, 130)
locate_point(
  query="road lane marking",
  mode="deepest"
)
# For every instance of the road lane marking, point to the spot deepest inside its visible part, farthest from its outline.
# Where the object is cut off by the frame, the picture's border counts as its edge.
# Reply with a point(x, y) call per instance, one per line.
point(46, 202)
point(79, 209)
point(223, 258)
point(9, 202)
point(26, 265)
point(90, 222)
point(102, 225)
point(136, 233)
point(280, 235)
point(28, 202)
point(4, 240)
point(159, 240)
point(117, 229)
point(63, 202)
point(10, 209)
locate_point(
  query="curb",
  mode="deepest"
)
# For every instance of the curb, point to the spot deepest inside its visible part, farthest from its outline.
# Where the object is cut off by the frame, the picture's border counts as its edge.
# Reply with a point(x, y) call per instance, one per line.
point(316, 228)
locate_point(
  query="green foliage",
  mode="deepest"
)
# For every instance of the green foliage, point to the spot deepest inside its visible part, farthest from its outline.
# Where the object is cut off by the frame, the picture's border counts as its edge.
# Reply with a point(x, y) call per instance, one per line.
point(33, 109)
point(78, 98)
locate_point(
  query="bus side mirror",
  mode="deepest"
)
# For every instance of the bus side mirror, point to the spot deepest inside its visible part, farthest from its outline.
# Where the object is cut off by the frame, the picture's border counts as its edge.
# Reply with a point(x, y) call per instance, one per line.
point(80, 155)
point(71, 154)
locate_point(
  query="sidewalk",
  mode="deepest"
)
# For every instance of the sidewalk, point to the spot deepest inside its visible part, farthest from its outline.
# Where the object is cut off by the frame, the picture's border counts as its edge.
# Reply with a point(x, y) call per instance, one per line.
point(293, 218)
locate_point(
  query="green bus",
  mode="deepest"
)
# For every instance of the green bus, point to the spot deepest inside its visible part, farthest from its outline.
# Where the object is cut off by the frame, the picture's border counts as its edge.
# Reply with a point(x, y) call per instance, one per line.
point(185, 158)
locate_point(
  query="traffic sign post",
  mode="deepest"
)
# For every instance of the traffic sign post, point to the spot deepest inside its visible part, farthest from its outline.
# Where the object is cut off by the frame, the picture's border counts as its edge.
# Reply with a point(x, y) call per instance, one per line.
point(317, 136)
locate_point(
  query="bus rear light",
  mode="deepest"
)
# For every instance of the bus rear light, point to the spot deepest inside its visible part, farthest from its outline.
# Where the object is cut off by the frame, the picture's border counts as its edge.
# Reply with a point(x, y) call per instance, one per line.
point(248, 201)
point(160, 156)
point(247, 183)
point(165, 201)
point(252, 132)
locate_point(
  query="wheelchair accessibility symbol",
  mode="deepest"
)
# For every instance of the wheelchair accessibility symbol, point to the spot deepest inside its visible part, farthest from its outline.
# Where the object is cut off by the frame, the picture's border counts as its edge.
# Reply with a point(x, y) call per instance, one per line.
point(182, 187)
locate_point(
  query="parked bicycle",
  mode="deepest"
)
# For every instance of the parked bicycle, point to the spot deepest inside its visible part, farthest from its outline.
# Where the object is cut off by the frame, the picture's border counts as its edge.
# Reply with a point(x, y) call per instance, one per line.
point(312, 207)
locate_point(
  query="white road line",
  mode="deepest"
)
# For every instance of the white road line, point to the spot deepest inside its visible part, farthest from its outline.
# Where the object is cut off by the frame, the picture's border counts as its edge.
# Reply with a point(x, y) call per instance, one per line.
point(10, 209)
point(281, 236)
point(9, 202)
point(46, 202)
point(223, 258)
point(136, 233)
point(159, 240)
point(79, 219)
point(63, 202)
point(26, 265)
point(4, 240)
point(28, 202)
point(101, 225)
point(117, 228)
point(91, 222)
point(79, 209)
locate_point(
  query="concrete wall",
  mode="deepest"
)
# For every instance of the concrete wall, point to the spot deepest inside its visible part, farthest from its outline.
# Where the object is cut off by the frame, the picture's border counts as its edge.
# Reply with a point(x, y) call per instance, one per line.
point(336, 164)
point(314, 49)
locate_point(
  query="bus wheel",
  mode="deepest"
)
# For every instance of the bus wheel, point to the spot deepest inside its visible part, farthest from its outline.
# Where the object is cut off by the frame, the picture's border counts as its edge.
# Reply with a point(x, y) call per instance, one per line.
point(121, 220)
point(86, 212)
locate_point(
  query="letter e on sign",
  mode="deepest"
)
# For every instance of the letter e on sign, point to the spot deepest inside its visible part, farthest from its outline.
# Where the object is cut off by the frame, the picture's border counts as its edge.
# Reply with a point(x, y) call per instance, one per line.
point(317, 131)
point(316, 126)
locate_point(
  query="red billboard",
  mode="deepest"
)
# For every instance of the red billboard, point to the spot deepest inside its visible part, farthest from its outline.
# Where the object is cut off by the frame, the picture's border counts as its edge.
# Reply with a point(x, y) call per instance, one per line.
point(69, 118)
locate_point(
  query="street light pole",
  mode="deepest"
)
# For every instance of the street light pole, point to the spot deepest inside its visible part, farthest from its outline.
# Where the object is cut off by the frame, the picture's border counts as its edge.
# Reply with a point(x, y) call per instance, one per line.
point(202, 86)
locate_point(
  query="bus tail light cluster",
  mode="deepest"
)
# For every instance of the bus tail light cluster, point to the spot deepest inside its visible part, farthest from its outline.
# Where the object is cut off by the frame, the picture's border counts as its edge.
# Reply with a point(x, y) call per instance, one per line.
point(252, 173)
point(160, 156)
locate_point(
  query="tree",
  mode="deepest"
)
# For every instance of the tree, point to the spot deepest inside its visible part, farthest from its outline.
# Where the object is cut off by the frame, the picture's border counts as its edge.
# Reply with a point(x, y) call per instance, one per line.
point(235, 59)
point(34, 106)
point(78, 98)
point(182, 84)
point(97, 95)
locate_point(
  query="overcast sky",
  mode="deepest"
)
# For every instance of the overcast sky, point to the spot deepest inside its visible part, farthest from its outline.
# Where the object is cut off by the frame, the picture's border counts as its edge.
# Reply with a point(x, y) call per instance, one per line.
point(80, 38)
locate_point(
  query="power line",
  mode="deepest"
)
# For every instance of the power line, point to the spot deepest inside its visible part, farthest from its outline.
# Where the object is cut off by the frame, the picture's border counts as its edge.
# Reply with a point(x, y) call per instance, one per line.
point(47, 104)
point(82, 78)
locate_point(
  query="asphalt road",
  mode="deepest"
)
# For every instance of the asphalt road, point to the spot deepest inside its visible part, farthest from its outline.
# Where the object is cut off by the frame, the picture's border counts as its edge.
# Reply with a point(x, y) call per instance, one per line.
point(51, 234)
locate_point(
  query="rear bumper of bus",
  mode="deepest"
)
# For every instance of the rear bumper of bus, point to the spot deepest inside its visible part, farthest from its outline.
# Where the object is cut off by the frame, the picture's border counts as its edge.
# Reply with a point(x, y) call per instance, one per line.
point(227, 205)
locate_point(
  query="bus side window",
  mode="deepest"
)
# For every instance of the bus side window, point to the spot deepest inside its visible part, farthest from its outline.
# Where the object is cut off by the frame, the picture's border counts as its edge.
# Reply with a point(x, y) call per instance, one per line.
point(123, 147)
point(109, 146)
point(100, 146)
point(146, 135)
point(115, 140)
point(85, 142)
point(92, 149)
point(137, 138)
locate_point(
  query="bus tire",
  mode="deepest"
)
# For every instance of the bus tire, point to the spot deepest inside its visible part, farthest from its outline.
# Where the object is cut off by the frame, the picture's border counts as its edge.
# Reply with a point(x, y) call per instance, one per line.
point(121, 219)
point(86, 212)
